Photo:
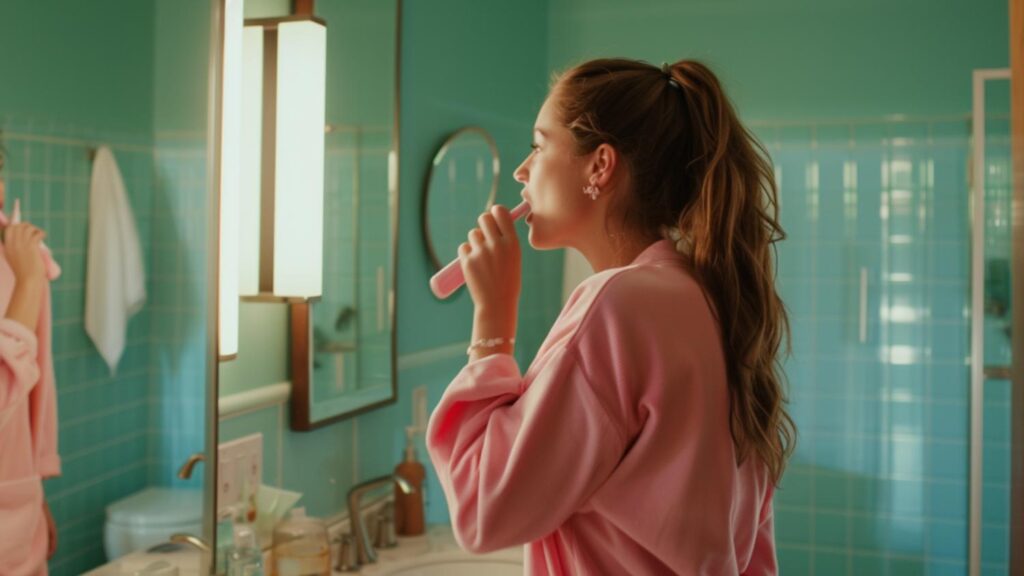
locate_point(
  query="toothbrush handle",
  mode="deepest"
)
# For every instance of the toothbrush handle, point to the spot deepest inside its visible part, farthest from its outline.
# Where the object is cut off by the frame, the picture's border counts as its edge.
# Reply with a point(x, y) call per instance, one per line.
point(450, 278)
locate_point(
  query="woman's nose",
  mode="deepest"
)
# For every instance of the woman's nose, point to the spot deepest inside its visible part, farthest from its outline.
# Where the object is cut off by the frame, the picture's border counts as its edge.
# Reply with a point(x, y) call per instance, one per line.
point(521, 175)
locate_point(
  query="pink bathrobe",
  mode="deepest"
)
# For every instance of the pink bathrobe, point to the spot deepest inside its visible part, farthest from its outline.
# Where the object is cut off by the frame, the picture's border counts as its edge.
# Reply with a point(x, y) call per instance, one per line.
point(612, 454)
point(28, 433)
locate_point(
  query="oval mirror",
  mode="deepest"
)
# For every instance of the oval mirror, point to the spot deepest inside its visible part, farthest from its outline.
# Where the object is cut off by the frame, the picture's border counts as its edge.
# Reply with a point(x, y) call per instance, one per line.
point(461, 184)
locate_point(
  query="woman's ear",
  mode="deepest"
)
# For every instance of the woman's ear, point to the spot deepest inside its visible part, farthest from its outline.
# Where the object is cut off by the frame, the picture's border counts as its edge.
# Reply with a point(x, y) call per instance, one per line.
point(604, 164)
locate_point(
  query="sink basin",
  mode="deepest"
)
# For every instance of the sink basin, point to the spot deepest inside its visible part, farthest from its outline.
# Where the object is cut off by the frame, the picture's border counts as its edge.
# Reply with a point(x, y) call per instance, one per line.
point(431, 565)
point(450, 562)
point(437, 553)
point(461, 568)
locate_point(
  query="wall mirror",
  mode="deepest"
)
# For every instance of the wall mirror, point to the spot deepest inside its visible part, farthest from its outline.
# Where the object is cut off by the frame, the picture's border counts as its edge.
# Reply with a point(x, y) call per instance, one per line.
point(343, 345)
point(120, 89)
point(461, 184)
point(301, 366)
point(339, 345)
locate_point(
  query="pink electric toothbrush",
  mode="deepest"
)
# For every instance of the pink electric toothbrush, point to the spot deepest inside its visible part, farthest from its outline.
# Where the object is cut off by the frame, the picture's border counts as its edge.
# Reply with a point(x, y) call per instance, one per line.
point(448, 280)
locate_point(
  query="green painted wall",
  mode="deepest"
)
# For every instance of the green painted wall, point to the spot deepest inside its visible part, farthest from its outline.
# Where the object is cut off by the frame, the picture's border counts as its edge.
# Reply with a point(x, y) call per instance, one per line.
point(181, 52)
point(84, 64)
point(799, 60)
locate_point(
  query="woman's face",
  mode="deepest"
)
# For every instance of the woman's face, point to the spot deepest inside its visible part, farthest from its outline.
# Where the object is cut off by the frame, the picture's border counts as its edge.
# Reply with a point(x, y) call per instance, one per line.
point(554, 176)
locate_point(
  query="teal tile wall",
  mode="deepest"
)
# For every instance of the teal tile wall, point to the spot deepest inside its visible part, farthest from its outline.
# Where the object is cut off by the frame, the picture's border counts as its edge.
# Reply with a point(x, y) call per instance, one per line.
point(880, 476)
point(103, 429)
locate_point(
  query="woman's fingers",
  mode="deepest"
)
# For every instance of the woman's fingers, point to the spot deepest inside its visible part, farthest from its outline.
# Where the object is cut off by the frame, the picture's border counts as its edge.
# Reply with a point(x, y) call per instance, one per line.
point(23, 233)
point(503, 218)
point(475, 237)
point(490, 227)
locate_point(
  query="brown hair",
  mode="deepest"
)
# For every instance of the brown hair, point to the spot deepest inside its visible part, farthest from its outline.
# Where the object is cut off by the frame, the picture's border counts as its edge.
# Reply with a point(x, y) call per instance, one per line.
point(694, 166)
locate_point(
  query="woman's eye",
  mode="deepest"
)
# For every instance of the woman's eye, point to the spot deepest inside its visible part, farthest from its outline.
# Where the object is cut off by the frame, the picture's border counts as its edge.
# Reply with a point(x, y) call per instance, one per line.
point(534, 146)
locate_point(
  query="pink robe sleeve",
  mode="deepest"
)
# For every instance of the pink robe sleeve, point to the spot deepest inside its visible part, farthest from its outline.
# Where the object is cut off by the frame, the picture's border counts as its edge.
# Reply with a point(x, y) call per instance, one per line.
point(19, 367)
point(515, 464)
point(43, 399)
point(763, 559)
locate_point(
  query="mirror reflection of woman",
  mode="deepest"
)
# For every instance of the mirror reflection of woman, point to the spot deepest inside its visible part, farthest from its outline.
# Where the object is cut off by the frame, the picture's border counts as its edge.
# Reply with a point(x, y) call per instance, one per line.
point(28, 418)
point(649, 432)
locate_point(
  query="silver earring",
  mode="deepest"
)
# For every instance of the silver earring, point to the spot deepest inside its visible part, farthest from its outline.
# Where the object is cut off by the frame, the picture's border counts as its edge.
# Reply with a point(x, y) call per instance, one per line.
point(592, 190)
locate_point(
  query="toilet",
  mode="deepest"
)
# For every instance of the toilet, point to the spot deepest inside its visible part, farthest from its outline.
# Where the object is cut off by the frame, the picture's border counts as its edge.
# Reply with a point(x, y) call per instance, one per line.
point(150, 517)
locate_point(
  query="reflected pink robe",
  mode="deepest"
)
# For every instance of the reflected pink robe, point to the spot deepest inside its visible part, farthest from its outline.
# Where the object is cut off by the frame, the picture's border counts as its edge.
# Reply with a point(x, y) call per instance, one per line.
point(612, 454)
point(28, 433)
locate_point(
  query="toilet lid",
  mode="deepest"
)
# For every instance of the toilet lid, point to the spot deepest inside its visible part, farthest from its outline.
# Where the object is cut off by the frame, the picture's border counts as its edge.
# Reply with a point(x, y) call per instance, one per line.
point(158, 507)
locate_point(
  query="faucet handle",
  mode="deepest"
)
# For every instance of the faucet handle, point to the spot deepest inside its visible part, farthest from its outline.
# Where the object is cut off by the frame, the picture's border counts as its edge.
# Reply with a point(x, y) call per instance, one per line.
point(386, 537)
point(348, 559)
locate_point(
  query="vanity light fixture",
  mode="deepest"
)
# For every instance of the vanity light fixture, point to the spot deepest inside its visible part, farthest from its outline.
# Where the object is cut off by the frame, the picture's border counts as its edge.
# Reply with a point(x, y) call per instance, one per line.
point(230, 177)
point(282, 194)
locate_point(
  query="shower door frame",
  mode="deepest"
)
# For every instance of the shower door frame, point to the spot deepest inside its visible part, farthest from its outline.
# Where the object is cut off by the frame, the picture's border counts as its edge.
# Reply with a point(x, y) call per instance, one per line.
point(979, 372)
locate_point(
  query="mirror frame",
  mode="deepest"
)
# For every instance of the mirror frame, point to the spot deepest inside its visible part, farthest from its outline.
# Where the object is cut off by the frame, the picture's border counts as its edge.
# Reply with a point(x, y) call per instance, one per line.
point(434, 162)
point(215, 75)
point(300, 312)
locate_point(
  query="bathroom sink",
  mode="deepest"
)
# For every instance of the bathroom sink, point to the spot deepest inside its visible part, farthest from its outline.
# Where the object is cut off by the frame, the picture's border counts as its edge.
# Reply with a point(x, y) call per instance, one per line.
point(461, 568)
point(448, 564)
point(437, 554)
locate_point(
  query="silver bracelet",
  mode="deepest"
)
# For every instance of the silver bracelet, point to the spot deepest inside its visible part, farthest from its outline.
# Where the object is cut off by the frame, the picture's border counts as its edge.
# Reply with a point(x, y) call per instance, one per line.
point(488, 343)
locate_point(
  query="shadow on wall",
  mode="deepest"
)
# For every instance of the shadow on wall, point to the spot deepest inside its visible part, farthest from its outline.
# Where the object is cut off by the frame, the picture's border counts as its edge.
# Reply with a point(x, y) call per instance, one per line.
point(179, 309)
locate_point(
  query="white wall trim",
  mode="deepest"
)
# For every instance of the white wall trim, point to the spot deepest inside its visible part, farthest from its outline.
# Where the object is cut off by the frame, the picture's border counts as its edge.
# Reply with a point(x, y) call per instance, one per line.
point(253, 400)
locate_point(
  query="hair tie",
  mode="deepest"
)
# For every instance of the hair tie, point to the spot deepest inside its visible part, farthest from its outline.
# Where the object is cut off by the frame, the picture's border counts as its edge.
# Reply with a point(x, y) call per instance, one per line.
point(667, 71)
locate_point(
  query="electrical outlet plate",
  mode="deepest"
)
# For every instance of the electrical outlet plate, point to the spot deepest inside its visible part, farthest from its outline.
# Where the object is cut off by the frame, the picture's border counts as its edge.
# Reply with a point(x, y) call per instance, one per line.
point(239, 462)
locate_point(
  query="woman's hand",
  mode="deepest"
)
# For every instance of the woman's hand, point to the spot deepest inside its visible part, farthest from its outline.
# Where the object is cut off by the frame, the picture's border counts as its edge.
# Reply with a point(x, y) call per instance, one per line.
point(492, 264)
point(21, 245)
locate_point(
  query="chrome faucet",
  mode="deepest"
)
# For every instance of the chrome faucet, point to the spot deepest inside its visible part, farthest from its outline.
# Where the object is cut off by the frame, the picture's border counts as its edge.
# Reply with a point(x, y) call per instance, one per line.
point(194, 541)
point(185, 472)
point(365, 554)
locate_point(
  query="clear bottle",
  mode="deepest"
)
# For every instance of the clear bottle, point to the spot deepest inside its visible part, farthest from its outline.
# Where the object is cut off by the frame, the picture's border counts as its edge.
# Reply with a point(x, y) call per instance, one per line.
point(246, 558)
point(301, 546)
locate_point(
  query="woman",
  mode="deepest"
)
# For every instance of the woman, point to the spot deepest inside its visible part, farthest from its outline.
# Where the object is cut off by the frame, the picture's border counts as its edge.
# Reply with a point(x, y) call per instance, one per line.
point(28, 419)
point(649, 432)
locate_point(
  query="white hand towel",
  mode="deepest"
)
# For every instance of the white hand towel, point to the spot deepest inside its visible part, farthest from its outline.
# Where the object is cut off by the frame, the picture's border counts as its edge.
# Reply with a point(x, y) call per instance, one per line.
point(115, 283)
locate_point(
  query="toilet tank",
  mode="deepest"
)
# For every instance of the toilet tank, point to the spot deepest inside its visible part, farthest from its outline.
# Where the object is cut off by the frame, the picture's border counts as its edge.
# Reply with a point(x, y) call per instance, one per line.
point(150, 517)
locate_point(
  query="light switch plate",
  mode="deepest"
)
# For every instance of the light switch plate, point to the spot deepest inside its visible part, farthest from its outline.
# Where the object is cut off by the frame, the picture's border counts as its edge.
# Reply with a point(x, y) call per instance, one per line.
point(239, 462)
